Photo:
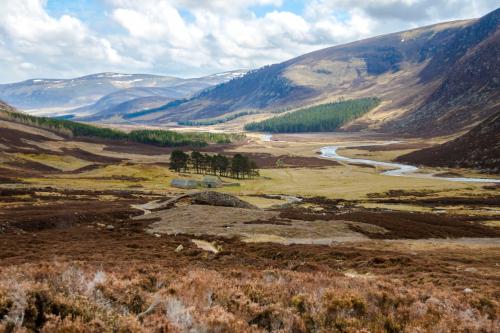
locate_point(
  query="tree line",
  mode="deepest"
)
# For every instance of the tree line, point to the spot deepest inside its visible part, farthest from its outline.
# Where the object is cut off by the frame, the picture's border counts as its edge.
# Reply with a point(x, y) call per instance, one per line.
point(237, 166)
point(319, 118)
point(162, 138)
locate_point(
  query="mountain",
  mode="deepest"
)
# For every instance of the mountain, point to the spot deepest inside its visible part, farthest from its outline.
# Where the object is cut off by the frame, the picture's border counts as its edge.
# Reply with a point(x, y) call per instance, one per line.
point(99, 92)
point(122, 102)
point(477, 149)
point(440, 78)
point(57, 93)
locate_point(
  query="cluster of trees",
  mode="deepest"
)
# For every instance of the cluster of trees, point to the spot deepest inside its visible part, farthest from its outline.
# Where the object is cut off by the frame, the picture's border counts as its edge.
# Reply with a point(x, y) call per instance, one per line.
point(156, 137)
point(237, 166)
point(177, 139)
point(220, 120)
point(320, 118)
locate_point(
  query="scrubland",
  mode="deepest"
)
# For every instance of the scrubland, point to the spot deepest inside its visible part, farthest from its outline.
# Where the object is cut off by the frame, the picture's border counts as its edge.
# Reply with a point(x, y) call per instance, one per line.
point(361, 252)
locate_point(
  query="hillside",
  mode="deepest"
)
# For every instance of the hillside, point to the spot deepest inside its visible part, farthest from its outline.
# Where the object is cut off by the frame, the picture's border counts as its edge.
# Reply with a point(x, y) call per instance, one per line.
point(469, 64)
point(418, 75)
point(255, 90)
point(125, 101)
point(71, 129)
point(477, 149)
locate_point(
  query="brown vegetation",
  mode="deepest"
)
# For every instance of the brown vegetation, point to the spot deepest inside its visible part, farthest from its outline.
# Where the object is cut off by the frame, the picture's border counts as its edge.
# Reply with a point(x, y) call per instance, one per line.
point(57, 297)
point(65, 268)
point(86, 261)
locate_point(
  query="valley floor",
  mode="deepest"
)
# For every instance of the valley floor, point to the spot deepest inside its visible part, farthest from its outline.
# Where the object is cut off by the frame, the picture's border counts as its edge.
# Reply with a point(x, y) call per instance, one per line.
point(81, 250)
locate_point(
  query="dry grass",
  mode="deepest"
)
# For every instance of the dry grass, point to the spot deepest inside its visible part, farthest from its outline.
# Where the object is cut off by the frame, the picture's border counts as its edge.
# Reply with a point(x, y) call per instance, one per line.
point(349, 182)
point(58, 297)
point(383, 156)
point(263, 202)
point(63, 163)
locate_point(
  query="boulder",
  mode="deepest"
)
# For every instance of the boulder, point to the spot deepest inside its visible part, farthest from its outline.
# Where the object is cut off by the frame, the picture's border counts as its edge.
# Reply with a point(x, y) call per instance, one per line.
point(210, 198)
point(219, 199)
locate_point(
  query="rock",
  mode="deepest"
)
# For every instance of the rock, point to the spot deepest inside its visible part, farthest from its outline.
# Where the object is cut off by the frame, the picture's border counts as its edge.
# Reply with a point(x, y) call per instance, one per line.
point(207, 246)
point(219, 199)
point(470, 270)
point(467, 290)
point(179, 248)
point(110, 227)
point(210, 198)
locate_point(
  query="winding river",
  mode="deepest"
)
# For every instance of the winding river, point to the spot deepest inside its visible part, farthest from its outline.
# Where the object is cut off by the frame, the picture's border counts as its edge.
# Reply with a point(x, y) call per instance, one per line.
point(395, 169)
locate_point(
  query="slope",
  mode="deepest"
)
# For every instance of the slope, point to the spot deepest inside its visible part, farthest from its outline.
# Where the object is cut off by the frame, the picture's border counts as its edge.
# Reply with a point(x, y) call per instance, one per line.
point(9, 117)
point(469, 67)
point(420, 76)
point(478, 149)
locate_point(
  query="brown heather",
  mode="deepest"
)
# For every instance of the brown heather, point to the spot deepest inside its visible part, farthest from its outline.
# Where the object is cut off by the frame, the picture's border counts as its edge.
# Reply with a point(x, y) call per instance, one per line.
point(60, 297)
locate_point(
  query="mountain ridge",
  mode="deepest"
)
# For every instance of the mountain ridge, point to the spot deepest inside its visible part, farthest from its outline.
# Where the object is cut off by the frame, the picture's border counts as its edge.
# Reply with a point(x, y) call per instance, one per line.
point(411, 71)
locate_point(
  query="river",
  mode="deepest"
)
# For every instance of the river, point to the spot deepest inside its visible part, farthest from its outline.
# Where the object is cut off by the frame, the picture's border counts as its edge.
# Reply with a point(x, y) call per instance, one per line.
point(394, 169)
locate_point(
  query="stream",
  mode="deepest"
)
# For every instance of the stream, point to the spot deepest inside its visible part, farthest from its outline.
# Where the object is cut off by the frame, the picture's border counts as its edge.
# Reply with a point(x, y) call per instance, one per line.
point(395, 169)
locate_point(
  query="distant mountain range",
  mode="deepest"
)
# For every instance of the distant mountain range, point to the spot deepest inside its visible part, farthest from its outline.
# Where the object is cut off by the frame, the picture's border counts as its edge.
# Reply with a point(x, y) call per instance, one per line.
point(434, 80)
point(103, 95)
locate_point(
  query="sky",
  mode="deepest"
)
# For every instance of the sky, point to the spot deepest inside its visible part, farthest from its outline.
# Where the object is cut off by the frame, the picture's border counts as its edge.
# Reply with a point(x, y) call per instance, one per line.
point(190, 38)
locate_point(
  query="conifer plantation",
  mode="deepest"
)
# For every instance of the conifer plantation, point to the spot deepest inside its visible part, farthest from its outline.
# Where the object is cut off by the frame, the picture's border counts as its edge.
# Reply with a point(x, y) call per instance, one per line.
point(320, 118)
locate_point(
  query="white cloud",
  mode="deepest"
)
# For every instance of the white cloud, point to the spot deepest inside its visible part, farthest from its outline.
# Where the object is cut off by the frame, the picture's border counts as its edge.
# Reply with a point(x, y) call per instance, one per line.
point(42, 44)
point(219, 37)
point(191, 37)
